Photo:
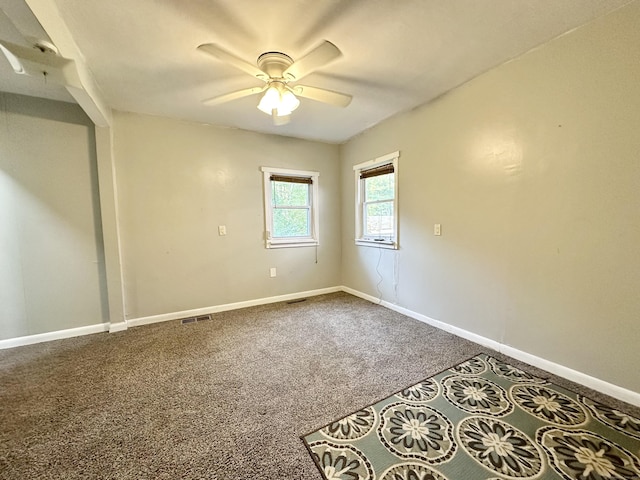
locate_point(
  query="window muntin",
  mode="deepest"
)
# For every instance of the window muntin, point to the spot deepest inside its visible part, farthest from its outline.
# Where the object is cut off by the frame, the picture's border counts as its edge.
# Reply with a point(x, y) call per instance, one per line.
point(291, 213)
point(377, 202)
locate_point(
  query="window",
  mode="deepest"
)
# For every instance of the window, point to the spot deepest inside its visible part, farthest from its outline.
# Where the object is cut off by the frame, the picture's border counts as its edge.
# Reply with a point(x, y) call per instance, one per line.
point(377, 202)
point(291, 207)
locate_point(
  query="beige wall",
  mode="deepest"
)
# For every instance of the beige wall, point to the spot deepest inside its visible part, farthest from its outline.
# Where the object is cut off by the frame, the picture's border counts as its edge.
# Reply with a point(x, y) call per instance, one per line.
point(533, 170)
point(177, 181)
point(51, 255)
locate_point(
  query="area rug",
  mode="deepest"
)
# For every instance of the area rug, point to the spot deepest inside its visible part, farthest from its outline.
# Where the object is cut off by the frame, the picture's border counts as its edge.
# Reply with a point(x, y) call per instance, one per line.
point(482, 419)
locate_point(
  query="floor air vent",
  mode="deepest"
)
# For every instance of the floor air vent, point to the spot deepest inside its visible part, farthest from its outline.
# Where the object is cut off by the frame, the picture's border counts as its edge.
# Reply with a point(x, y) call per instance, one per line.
point(199, 318)
point(298, 300)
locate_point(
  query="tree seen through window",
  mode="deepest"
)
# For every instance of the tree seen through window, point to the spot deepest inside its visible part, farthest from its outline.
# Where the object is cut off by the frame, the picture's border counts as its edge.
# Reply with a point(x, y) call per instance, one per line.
point(379, 192)
point(291, 209)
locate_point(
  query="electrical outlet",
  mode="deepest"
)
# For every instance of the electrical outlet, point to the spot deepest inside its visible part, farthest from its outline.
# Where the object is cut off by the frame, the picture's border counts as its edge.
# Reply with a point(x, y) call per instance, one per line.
point(222, 230)
point(436, 229)
point(272, 272)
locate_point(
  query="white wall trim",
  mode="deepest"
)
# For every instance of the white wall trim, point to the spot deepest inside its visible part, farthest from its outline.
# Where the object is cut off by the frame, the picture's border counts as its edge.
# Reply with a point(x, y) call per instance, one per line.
point(121, 326)
point(597, 384)
point(485, 342)
point(602, 386)
point(118, 327)
point(57, 335)
point(135, 322)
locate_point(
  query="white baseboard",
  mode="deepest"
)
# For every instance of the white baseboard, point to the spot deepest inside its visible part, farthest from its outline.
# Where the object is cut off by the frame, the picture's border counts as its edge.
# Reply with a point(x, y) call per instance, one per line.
point(602, 386)
point(135, 322)
point(57, 335)
point(597, 384)
point(486, 342)
point(117, 327)
point(121, 326)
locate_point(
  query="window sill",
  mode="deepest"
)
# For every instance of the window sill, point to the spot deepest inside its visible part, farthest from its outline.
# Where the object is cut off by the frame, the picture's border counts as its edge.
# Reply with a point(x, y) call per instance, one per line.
point(388, 244)
point(294, 244)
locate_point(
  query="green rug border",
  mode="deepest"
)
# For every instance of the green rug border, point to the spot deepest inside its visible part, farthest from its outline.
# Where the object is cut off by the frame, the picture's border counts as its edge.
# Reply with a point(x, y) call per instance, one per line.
point(546, 378)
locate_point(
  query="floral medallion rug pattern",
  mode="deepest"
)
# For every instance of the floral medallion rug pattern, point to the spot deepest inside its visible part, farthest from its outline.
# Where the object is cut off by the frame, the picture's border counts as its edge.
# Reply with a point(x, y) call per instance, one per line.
point(482, 419)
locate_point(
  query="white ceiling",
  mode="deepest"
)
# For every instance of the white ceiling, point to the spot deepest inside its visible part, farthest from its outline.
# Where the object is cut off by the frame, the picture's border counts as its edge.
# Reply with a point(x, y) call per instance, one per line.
point(398, 54)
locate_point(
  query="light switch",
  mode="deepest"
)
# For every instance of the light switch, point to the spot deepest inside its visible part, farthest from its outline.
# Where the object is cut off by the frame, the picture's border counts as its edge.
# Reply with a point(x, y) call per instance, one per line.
point(272, 272)
point(436, 229)
point(222, 229)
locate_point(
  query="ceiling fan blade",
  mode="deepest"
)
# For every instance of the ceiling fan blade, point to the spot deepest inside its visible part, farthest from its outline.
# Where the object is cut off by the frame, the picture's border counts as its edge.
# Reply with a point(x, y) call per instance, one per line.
point(322, 95)
point(221, 54)
point(315, 59)
point(227, 97)
point(34, 62)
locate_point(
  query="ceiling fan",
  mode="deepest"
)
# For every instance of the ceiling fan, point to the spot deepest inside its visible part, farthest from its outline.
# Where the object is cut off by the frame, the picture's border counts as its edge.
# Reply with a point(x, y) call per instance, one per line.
point(278, 71)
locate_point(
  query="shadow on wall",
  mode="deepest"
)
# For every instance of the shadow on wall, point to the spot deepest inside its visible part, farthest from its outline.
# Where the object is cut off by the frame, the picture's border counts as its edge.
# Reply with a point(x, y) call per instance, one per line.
point(54, 274)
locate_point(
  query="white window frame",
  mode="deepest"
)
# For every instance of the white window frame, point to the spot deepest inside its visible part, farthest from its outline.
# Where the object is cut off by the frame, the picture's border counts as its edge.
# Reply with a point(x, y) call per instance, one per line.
point(306, 241)
point(361, 239)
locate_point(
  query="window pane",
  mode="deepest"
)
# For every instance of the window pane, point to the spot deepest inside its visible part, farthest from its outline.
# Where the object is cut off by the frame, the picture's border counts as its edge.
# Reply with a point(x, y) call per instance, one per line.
point(290, 194)
point(291, 222)
point(379, 188)
point(378, 219)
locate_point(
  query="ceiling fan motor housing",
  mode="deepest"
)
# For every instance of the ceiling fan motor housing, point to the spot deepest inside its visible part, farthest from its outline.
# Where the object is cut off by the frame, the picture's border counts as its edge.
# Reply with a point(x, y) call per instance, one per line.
point(274, 63)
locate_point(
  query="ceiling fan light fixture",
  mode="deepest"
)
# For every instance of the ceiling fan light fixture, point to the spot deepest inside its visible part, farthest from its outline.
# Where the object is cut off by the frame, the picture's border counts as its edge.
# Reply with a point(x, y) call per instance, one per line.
point(269, 101)
point(278, 99)
point(289, 102)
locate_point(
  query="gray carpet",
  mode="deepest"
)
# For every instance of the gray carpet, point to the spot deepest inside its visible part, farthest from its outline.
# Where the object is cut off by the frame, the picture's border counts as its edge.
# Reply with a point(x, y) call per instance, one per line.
point(226, 398)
